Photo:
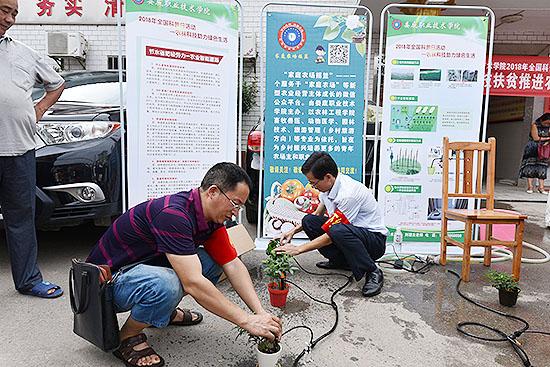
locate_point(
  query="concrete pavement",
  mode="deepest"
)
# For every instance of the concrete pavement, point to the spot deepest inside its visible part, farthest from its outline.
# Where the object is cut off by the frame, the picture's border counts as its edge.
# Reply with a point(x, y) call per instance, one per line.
point(411, 323)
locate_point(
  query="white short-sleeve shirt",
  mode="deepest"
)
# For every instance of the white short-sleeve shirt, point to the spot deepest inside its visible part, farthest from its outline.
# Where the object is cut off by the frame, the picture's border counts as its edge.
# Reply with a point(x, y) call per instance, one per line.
point(357, 203)
point(21, 68)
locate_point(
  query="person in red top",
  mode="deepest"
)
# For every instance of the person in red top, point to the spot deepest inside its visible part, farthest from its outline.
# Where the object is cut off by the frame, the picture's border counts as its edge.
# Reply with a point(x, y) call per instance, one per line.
point(189, 246)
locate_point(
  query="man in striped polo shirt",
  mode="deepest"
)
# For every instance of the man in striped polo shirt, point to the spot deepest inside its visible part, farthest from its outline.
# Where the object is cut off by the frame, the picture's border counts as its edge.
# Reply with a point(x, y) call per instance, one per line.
point(185, 234)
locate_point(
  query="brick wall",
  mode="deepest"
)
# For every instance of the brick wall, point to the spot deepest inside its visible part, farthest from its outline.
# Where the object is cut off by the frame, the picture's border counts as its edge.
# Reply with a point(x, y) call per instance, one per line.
point(103, 42)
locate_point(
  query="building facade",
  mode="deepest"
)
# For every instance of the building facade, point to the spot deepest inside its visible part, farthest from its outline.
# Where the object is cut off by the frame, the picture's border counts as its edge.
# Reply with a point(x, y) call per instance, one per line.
point(96, 20)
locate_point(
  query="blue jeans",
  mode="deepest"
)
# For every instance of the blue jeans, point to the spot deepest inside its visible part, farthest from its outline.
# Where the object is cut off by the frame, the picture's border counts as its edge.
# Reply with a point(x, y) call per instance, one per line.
point(17, 199)
point(353, 246)
point(152, 293)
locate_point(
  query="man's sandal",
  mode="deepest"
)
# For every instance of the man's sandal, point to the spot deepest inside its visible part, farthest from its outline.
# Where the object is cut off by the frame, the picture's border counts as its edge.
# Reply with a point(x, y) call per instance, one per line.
point(127, 354)
point(187, 317)
point(44, 290)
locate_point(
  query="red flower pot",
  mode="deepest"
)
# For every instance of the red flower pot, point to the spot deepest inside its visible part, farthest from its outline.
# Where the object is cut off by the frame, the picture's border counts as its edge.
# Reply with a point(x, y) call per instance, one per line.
point(277, 297)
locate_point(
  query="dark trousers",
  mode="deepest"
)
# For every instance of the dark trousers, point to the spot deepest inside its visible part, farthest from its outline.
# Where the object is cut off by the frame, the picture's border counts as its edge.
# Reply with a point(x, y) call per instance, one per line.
point(353, 246)
point(17, 202)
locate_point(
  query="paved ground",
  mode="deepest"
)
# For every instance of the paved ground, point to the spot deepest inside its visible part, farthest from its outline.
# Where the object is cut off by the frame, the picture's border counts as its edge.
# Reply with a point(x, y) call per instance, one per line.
point(412, 323)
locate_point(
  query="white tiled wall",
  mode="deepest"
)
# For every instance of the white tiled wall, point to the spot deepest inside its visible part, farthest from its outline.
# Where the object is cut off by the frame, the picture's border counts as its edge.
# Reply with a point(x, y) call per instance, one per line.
point(103, 41)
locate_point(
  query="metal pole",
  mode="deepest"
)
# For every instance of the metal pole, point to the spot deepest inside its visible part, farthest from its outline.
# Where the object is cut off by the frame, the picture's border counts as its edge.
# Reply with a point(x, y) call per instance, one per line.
point(240, 96)
point(122, 114)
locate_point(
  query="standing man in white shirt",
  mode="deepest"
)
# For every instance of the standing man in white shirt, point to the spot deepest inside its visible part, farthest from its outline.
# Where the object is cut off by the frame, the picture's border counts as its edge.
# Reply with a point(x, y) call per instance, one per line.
point(353, 236)
point(21, 68)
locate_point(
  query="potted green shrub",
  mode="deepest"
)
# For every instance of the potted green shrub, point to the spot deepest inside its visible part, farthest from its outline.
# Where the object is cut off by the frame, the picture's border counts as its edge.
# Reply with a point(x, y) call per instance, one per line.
point(268, 352)
point(277, 267)
point(507, 286)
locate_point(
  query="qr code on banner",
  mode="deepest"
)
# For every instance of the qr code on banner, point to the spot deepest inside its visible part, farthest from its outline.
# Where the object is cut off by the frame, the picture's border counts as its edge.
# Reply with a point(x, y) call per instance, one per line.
point(338, 53)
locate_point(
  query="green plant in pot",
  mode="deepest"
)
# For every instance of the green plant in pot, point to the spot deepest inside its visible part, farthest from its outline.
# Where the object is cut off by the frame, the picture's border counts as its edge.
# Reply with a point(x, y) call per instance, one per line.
point(507, 286)
point(277, 267)
point(268, 351)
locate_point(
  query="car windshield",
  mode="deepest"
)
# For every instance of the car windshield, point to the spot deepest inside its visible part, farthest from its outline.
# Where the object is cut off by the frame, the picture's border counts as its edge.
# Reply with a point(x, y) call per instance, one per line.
point(98, 93)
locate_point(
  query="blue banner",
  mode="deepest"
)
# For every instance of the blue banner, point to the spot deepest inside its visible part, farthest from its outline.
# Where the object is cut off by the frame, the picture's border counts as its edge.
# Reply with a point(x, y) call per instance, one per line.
point(315, 67)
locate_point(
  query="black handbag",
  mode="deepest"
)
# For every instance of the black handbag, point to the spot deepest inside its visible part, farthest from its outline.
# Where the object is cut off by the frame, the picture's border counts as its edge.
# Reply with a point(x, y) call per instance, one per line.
point(91, 294)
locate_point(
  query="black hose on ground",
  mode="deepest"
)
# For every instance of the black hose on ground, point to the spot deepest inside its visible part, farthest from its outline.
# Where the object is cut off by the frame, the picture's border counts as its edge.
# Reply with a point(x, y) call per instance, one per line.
point(332, 303)
point(503, 337)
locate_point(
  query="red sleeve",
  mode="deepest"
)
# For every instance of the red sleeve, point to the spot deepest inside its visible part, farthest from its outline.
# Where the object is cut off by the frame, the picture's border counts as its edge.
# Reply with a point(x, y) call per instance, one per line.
point(219, 247)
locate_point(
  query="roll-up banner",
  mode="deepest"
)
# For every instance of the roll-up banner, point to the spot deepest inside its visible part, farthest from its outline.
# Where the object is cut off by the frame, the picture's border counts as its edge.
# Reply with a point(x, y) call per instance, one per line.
point(433, 87)
point(182, 93)
point(315, 100)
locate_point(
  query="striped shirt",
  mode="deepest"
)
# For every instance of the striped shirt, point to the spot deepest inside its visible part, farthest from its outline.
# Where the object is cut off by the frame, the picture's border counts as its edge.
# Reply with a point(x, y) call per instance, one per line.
point(173, 224)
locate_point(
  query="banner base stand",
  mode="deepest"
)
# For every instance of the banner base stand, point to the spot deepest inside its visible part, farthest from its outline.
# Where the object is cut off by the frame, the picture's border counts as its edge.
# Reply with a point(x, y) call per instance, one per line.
point(261, 243)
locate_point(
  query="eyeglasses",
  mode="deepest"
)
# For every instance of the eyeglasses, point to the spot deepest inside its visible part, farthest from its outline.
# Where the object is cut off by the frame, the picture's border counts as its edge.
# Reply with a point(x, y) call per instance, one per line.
point(314, 184)
point(236, 206)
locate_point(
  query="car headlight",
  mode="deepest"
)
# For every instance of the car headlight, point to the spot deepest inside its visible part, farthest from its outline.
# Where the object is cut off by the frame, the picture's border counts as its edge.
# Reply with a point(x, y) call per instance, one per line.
point(72, 131)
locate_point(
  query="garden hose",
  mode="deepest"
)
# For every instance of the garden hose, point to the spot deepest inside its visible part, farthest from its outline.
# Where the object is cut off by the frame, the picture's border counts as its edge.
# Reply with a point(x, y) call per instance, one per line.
point(505, 255)
point(332, 303)
point(502, 336)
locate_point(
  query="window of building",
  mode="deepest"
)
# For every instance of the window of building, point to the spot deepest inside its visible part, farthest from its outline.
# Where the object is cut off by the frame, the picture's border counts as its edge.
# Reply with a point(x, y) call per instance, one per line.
point(112, 62)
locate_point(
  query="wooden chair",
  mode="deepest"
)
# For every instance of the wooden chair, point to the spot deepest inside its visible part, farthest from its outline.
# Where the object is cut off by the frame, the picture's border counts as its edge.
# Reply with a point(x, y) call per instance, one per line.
point(466, 154)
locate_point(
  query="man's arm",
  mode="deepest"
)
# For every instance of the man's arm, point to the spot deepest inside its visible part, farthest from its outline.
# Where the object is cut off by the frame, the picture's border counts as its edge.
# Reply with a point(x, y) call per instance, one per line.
point(189, 270)
point(321, 241)
point(49, 99)
point(238, 275)
point(290, 249)
point(286, 237)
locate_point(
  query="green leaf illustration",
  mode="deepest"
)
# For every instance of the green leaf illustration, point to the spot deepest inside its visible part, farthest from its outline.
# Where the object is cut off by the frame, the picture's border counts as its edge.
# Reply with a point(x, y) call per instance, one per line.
point(323, 21)
point(361, 48)
point(347, 35)
point(331, 33)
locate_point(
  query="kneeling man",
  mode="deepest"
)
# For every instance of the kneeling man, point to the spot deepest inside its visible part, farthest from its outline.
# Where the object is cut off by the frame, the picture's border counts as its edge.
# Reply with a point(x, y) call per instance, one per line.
point(189, 246)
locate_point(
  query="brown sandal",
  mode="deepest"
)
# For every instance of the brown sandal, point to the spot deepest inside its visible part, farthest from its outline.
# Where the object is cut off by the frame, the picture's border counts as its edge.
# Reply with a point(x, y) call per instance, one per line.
point(187, 317)
point(127, 354)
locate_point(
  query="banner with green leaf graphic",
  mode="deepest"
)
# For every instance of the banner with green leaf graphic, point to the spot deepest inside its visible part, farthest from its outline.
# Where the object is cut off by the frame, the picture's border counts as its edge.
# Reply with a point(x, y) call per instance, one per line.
point(315, 101)
point(433, 87)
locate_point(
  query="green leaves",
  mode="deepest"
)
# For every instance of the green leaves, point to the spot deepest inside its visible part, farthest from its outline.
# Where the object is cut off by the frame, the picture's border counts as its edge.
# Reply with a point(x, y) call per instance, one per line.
point(323, 21)
point(331, 33)
point(277, 266)
point(361, 48)
point(264, 345)
point(347, 35)
point(353, 26)
point(501, 280)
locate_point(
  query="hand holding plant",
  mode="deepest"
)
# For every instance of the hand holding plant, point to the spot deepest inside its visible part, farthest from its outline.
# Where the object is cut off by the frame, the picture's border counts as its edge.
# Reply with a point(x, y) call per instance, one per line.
point(277, 266)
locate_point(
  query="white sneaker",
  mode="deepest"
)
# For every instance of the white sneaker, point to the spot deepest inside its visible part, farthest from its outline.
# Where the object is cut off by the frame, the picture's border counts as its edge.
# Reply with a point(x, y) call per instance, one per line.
point(543, 191)
point(529, 191)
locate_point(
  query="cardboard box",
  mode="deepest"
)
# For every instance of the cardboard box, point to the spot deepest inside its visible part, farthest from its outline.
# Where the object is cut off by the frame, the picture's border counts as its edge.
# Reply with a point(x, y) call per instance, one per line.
point(241, 240)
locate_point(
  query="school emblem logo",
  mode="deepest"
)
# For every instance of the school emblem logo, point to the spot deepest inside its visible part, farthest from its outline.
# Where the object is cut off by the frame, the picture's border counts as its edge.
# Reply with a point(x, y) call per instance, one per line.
point(138, 2)
point(396, 24)
point(292, 36)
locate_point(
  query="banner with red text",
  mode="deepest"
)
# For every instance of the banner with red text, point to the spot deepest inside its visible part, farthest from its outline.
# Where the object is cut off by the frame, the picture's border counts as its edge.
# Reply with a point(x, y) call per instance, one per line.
point(527, 76)
point(182, 93)
point(69, 11)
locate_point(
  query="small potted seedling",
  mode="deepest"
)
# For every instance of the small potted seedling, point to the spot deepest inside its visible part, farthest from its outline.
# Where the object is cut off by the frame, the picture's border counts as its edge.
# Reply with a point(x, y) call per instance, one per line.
point(268, 351)
point(507, 286)
point(277, 267)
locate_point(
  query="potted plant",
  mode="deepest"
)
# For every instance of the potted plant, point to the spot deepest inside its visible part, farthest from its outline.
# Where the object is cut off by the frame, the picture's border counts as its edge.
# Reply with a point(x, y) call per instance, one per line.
point(277, 267)
point(507, 286)
point(268, 352)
